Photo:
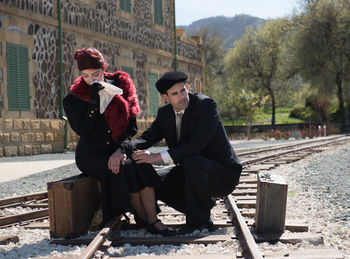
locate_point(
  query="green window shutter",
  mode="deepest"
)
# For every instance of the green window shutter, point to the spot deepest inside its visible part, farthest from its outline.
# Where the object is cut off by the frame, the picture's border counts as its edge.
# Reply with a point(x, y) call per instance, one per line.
point(153, 94)
point(125, 5)
point(158, 12)
point(122, 5)
point(129, 70)
point(17, 77)
point(128, 6)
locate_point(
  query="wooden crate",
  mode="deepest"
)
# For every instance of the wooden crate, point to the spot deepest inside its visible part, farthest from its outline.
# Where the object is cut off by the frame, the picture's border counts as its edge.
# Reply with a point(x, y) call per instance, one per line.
point(72, 205)
point(271, 203)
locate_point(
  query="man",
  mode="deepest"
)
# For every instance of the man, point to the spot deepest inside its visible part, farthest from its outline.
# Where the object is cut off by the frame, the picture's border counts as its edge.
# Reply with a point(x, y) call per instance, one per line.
point(205, 164)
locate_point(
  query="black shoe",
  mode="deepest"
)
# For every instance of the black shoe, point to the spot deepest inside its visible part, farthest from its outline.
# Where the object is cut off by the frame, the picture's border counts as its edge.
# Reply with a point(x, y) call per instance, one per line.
point(212, 202)
point(187, 229)
point(140, 223)
point(151, 228)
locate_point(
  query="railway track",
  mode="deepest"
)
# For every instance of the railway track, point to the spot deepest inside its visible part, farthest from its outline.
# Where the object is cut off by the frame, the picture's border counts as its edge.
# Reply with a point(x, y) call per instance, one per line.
point(233, 216)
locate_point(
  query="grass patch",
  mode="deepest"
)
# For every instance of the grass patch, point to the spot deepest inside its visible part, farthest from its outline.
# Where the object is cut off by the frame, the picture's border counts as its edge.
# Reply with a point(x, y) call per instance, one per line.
point(282, 117)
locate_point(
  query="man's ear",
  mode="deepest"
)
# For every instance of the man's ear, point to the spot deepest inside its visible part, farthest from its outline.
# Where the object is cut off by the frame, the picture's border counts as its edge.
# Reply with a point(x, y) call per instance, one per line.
point(166, 97)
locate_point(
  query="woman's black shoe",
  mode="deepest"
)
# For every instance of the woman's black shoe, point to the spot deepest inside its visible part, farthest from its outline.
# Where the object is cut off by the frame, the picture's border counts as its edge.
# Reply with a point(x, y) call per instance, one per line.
point(151, 228)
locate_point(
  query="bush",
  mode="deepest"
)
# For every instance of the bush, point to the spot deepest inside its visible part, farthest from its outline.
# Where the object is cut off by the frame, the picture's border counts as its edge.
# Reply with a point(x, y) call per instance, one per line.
point(299, 112)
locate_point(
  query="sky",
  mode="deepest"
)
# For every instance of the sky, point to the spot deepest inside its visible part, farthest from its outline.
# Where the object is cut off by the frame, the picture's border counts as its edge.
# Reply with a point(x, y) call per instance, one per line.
point(188, 11)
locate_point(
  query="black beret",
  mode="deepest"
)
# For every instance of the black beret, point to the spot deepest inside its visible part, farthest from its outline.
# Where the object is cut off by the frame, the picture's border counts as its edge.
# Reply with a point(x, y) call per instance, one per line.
point(169, 79)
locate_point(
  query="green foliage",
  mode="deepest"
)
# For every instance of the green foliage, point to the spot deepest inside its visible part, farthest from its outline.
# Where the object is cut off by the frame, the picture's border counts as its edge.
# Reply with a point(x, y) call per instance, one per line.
point(299, 112)
point(255, 60)
point(322, 52)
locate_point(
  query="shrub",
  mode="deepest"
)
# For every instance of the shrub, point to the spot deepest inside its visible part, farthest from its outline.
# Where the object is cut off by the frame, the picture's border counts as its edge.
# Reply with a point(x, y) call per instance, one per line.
point(299, 112)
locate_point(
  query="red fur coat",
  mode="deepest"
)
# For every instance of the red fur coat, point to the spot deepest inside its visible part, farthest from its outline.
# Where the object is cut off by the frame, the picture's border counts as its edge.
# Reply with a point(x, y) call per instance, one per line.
point(121, 108)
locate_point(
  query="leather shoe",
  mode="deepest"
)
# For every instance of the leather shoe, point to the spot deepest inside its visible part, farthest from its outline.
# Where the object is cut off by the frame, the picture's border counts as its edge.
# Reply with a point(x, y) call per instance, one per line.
point(140, 223)
point(187, 229)
point(151, 228)
point(212, 202)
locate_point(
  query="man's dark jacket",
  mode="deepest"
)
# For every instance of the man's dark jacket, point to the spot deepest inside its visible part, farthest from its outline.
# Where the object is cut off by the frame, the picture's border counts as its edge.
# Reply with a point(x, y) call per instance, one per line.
point(202, 133)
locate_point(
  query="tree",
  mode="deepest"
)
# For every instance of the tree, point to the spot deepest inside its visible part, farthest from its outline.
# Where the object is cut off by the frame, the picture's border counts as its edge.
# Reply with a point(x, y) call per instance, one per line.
point(256, 58)
point(250, 105)
point(322, 47)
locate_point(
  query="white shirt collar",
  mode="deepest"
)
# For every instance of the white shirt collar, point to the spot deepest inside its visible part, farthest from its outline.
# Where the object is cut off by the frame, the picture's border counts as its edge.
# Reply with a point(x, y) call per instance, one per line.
point(182, 111)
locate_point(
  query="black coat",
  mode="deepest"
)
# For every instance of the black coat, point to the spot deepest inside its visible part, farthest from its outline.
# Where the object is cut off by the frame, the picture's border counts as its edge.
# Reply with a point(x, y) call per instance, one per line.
point(94, 148)
point(202, 133)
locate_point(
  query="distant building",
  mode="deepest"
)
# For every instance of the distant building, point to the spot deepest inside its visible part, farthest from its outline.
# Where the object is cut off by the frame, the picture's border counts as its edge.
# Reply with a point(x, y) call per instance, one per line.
point(136, 36)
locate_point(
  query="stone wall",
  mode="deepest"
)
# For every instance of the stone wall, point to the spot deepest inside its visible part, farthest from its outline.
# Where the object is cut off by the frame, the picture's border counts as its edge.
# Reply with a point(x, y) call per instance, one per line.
point(24, 137)
point(126, 39)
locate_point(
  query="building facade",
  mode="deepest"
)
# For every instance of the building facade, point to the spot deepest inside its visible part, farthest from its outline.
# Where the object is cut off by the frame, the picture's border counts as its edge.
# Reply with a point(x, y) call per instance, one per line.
point(136, 36)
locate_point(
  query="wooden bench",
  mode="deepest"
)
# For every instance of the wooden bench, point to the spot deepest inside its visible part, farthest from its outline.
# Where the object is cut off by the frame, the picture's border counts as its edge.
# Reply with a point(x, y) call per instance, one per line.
point(73, 203)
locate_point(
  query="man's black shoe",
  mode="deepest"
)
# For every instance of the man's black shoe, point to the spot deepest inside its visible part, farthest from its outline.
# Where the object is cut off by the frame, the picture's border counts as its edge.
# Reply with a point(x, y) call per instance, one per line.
point(212, 202)
point(151, 228)
point(187, 229)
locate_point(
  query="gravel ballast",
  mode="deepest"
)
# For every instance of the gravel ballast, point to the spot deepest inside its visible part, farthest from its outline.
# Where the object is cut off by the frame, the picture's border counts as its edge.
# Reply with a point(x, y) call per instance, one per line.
point(318, 191)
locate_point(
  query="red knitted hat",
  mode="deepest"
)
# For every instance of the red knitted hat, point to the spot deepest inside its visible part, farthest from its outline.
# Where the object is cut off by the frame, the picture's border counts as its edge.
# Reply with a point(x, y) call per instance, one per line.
point(89, 58)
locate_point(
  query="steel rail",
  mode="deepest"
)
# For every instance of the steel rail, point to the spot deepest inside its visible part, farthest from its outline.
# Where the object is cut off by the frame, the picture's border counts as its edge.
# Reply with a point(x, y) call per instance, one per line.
point(262, 150)
point(247, 235)
point(100, 238)
point(24, 216)
point(254, 160)
point(35, 196)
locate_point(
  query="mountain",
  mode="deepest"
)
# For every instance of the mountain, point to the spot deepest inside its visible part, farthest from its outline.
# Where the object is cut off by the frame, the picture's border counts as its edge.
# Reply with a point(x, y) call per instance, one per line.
point(228, 28)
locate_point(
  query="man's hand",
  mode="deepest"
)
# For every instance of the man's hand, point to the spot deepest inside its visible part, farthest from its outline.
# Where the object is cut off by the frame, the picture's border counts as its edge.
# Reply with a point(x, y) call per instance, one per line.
point(144, 156)
point(115, 159)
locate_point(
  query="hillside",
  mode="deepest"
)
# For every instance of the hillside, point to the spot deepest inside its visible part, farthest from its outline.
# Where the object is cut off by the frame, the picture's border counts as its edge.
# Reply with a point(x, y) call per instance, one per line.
point(228, 28)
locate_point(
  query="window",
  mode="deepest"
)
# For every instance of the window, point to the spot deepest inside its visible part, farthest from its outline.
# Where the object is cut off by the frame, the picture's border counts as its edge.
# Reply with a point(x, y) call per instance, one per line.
point(153, 94)
point(158, 12)
point(129, 70)
point(17, 77)
point(125, 5)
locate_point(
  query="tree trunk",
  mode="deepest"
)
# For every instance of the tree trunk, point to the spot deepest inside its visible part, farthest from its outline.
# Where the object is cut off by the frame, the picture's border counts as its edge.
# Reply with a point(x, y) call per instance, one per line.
point(341, 108)
point(273, 119)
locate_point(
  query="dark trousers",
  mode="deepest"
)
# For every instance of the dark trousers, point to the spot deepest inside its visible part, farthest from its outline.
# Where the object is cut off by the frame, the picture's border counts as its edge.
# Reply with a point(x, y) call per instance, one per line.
point(188, 187)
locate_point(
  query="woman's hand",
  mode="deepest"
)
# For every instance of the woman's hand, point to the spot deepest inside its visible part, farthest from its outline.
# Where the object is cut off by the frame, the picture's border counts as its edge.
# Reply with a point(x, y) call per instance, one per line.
point(117, 158)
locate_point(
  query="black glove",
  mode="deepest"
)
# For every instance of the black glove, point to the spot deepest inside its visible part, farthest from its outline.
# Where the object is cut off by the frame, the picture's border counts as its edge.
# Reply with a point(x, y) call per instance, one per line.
point(94, 89)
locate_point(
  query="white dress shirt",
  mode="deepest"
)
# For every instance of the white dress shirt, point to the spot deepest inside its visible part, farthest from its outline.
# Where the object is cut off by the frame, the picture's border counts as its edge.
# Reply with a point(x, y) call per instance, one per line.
point(165, 154)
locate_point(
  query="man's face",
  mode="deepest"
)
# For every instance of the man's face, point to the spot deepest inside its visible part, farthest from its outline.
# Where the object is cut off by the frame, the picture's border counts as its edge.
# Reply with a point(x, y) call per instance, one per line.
point(177, 96)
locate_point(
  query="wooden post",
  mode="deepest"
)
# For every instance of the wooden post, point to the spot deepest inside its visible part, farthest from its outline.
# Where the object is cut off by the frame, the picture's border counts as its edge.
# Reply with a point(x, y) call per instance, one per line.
point(271, 201)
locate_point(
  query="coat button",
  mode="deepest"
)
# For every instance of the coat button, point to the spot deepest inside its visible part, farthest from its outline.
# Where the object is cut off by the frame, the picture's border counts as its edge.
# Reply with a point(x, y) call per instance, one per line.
point(108, 131)
point(92, 111)
point(90, 115)
point(107, 143)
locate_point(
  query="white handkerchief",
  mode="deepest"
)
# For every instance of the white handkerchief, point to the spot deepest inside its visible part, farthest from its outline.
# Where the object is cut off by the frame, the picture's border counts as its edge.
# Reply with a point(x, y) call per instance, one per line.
point(107, 94)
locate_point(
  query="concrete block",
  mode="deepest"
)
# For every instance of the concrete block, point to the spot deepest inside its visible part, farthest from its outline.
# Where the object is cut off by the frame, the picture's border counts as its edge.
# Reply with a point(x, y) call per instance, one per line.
point(35, 124)
point(45, 125)
point(56, 124)
point(10, 151)
point(35, 150)
point(39, 137)
point(271, 203)
point(15, 137)
point(7, 124)
point(17, 124)
point(27, 150)
point(4, 138)
point(21, 150)
point(26, 124)
point(45, 149)
point(1, 151)
point(49, 137)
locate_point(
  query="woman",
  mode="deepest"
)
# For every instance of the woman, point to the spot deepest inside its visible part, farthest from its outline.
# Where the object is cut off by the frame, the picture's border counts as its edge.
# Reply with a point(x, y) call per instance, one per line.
point(104, 145)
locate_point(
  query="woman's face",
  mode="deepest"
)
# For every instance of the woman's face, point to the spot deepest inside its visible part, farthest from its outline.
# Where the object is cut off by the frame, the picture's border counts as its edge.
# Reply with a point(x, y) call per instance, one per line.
point(90, 75)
